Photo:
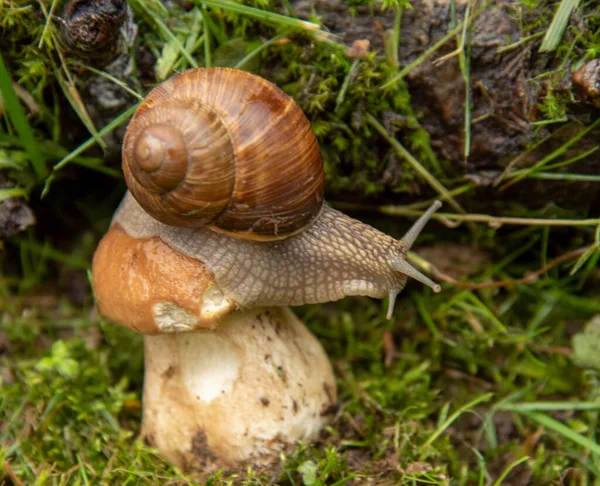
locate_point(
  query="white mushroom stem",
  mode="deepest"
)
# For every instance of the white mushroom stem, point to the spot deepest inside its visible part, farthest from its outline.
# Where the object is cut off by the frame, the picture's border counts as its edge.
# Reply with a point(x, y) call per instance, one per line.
point(243, 392)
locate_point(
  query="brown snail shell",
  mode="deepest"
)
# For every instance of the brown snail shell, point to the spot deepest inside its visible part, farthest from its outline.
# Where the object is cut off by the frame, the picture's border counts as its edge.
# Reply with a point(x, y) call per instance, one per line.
point(224, 148)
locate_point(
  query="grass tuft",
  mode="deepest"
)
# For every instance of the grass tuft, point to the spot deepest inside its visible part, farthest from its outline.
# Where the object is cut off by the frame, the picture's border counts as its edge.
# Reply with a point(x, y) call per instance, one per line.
point(19, 120)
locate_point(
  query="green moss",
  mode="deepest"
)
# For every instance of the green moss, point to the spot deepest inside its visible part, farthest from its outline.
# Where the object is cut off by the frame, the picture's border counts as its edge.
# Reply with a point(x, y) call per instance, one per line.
point(355, 157)
point(71, 387)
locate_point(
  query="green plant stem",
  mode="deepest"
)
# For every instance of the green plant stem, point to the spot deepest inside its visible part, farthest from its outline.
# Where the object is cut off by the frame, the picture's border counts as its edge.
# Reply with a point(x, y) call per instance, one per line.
point(564, 430)
point(19, 120)
point(495, 221)
point(422, 171)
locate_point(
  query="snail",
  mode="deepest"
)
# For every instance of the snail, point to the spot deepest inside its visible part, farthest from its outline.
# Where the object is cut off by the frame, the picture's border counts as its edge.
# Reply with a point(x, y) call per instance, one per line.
point(224, 166)
point(224, 226)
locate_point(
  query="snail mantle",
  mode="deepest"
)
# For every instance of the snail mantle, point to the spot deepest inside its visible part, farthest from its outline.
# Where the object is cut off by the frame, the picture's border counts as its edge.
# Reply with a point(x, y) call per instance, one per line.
point(223, 227)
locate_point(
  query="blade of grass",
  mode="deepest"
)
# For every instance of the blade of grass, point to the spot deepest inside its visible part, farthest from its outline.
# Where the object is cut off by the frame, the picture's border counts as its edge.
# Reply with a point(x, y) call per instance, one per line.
point(547, 406)
point(453, 417)
point(87, 144)
point(432, 49)
point(422, 171)
point(564, 430)
point(482, 466)
point(82, 473)
point(12, 192)
point(559, 23)
point(74, 98)
point(392, 41)
point(575, 304)
point(47, 23)
point(50, 150)
point(582, 457)
point(199, 28)
point(486, 311)
point(110, 77)
point(558, 165)
point(591, 250)
point(264, 15)
point(544, 249)
point(217, 31)
point(340, 97)
point(520, 42)
point(195, 38)
point(122, 118)
point(256, 51)
point(423, 56)
point(16, 114)
point(565, 177)
point(559, 151)
point(550, 122)
point(426, 316)
point(587, 271)
point(544, 309)
point(207, 51)
point(416, 205)
point(522, 156)
point(508, 469)
point(11, 164)
point(464, 58)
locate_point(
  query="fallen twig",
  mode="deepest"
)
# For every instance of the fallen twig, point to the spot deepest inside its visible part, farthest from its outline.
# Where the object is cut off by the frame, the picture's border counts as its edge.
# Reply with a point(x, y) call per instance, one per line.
point(11, 474)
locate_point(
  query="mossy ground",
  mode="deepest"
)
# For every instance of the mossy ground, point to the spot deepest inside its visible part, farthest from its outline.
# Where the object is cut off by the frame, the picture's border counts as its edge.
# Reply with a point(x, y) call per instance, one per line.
point(488, 385)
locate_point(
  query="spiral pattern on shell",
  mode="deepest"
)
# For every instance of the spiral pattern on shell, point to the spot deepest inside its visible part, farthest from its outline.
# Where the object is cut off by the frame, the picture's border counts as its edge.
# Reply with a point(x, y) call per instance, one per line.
point(224, 148)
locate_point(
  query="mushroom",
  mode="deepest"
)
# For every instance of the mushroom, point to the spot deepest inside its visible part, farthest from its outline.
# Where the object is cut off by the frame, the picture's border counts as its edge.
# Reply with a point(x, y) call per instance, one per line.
point(241, 386)
point(231, 374)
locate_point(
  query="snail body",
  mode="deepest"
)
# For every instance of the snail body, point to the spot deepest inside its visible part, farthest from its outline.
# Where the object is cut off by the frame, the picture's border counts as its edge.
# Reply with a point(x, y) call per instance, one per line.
point(254, 142)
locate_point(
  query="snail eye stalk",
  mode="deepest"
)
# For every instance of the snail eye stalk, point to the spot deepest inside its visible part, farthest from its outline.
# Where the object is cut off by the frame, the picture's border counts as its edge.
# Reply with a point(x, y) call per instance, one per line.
point(402, 266)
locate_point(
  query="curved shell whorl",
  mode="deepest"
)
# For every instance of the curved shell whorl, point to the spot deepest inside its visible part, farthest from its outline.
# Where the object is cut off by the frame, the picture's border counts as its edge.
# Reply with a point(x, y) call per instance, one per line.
point(227, 148)
point(179, 163)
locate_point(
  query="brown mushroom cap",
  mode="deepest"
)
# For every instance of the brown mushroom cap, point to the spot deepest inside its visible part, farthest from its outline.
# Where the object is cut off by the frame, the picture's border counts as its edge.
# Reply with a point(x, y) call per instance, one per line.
point(145, 285)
